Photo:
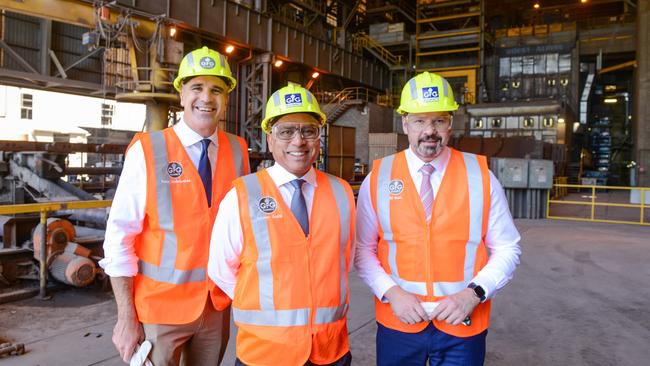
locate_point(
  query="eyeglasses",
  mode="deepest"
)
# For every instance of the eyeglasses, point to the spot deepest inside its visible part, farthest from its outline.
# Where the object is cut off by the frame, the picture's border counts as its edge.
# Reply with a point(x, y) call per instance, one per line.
point(441, 124)
point(288, 132)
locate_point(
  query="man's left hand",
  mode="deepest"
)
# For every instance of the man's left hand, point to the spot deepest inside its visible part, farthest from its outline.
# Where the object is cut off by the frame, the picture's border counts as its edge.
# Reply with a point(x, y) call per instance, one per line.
point(455, 308)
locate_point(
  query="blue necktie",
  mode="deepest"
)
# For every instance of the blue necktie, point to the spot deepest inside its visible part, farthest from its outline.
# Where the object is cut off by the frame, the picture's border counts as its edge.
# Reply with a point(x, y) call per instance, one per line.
point(298, 205)
point(205, 170)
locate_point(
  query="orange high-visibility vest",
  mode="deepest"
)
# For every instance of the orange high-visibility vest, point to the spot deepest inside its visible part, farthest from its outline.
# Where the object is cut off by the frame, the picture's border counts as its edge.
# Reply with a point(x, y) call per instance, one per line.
point(172, 284)
point(436, 259)
point(291, 296)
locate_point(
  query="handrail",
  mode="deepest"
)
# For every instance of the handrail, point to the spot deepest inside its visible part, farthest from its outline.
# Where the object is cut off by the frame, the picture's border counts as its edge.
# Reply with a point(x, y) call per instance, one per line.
point(52, 206)
point(363, 40)
point(644, 192)
point(355, 93)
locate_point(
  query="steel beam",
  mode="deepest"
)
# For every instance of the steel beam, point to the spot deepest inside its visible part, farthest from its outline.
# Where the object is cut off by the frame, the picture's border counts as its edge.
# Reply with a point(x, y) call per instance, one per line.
point(254, 94)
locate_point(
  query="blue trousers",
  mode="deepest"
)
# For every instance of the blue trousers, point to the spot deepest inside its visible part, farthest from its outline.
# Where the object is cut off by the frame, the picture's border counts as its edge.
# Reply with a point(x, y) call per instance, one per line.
point(395, 348)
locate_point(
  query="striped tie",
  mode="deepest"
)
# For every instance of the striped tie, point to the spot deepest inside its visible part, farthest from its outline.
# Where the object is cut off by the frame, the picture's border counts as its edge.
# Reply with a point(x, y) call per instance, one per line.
point(426, 191)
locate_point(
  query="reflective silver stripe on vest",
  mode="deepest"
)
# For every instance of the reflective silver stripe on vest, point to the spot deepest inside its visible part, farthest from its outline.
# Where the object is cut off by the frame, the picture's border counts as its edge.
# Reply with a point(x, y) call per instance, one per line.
point(475, 186)
point(171, 275)
point(298, 317)
point(262, 241)
point(383, 208)
point(278, 318)
point(343, 206)
point(330, 315)
point(235, 148)
point(166, 271)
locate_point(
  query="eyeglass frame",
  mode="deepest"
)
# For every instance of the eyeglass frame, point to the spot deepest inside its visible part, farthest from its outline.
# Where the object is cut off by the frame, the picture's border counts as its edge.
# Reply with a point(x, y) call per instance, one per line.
point(298, 127)
point(448, 120)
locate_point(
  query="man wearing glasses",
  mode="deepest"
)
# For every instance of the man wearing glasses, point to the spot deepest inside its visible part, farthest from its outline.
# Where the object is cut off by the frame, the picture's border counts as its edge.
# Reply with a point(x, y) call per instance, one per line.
point(435, 239)
point(281, 246)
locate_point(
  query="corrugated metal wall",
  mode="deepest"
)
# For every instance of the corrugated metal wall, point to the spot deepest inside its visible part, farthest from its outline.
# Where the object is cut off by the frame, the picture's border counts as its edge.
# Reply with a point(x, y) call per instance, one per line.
point(66, 44)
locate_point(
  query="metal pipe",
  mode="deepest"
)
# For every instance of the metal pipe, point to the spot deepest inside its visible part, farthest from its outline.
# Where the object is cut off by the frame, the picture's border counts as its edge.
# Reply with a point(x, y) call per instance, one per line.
point(43, 257)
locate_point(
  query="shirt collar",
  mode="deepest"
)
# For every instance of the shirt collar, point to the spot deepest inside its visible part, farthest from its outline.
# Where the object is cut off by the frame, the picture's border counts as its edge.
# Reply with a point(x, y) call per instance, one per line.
point(188, 136)
point(281, 176)
point(439, 162)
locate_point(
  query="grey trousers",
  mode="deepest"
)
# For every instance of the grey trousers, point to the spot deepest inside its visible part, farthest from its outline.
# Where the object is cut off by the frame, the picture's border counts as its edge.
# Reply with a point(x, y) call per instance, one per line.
point(199, 343)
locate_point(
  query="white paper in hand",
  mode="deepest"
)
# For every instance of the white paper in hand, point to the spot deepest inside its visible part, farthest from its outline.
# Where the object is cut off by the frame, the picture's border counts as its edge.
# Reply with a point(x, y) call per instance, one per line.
point(429, 306)
point(139, 358)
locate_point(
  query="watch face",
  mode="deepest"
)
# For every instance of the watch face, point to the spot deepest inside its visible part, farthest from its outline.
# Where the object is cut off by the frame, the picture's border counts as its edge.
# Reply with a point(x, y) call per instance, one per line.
point(479, 291)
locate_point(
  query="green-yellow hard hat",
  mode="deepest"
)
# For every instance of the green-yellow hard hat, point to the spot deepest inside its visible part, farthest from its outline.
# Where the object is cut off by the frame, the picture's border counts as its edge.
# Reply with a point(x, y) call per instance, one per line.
point(292, 98)
point(427, 92)
point(204, 62)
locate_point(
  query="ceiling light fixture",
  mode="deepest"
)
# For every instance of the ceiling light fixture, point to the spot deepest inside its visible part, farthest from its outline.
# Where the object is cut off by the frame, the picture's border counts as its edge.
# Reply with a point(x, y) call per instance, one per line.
point(230, 48)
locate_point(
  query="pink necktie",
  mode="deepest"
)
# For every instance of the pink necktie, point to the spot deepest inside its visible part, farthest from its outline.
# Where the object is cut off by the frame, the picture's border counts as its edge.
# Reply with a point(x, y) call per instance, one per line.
point(426, 191)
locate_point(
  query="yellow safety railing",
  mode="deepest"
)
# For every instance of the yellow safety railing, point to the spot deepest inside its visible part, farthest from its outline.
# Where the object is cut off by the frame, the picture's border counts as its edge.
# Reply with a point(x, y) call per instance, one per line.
point(363, 40)
point(52, 206)
point(559, 190)
point(592, 203)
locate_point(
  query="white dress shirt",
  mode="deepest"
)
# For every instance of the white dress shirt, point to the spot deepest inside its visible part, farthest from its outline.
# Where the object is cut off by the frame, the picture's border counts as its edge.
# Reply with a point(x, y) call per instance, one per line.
point(227, 234)
point(502, 237)
point(127, 211)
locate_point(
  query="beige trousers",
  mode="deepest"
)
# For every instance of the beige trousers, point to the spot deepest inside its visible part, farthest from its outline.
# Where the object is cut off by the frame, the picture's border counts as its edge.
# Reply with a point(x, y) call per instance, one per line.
point(199, 343)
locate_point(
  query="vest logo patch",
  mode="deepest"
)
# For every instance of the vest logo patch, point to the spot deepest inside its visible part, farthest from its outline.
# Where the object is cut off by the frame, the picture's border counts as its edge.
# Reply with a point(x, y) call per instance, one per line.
point(207, 62)
point(395, 186)
point(430, 94)
point(267, 205)
point(293, 100)
point(174, 169)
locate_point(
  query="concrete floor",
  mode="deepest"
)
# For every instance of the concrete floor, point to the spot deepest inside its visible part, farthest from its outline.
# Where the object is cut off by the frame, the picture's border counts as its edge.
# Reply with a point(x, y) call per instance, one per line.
point(578, 298)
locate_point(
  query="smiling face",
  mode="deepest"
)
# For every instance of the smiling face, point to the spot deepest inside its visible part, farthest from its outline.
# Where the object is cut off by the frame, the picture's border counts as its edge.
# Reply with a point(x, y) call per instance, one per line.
point(204, 100)
point(428, 133)
point(297, 154)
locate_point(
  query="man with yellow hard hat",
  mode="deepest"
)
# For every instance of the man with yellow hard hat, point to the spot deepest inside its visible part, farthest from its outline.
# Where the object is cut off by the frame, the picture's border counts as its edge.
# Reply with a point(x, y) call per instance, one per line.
point(435, 238)
point(285, 257)
point(158, 231)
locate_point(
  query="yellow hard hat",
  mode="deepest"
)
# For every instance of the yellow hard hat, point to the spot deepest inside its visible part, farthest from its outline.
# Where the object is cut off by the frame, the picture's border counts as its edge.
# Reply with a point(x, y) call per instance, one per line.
point(427, 92)
point(293, 98)
point(204, 61)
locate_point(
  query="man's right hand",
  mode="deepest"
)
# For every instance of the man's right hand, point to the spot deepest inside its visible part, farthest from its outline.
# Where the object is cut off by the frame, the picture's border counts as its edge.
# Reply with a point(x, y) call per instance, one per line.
point(127, 335)
point(406, 306)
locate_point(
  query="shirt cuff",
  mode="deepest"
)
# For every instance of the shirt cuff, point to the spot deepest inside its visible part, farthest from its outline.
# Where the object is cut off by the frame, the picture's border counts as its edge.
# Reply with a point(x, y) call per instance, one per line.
point(115, 268)
point(486, 284)
point(381, 285)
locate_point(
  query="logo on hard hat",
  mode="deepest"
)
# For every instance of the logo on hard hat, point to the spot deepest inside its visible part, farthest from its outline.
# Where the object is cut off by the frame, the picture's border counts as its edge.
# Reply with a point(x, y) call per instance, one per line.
point(267, 205)
point(395, 186)
point(207, 62)
point(174, 169)
point(430, 94)
point(293, 100)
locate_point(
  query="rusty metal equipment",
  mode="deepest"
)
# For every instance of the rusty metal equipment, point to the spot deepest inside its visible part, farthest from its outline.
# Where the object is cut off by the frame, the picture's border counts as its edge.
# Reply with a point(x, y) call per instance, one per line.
point(35, 245)
point(12, 349)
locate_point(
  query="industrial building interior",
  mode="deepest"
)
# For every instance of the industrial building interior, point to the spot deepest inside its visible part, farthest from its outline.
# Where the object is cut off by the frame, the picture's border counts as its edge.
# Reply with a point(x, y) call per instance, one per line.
point(553, 92)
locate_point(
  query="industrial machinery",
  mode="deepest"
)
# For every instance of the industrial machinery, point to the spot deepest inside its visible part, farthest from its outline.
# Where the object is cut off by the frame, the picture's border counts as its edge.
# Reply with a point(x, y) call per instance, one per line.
point(37, 173)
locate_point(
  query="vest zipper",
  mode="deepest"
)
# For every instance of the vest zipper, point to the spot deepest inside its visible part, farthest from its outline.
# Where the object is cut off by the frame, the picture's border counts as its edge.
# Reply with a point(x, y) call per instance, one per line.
point(429, 279)
point(312, 305)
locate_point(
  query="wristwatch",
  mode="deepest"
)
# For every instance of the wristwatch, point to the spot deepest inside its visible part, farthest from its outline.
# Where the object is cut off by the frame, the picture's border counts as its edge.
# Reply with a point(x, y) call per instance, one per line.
point(478, 291)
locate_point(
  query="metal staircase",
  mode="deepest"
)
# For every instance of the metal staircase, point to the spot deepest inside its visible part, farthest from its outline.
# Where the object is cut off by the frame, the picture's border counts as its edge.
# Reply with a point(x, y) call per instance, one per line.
point(363, 41)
